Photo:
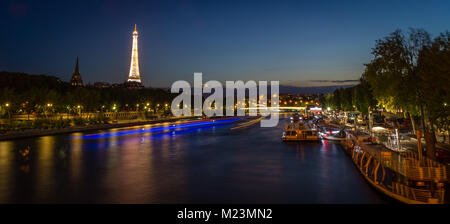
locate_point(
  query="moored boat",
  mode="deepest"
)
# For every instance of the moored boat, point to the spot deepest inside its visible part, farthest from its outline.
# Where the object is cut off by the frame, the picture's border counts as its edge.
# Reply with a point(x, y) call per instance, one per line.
point(333, 135)
point(404, 176)
point(299, 132)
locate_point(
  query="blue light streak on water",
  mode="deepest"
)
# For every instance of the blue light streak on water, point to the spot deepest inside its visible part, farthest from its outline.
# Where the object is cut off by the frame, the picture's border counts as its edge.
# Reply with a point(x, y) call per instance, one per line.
point(154, 129)
point(185, 131)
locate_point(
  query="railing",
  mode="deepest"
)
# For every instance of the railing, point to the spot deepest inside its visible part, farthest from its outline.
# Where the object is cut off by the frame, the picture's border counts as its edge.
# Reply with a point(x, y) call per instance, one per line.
point(407, 164)
point(112, 115)
point(421, 195)
point(429, 175)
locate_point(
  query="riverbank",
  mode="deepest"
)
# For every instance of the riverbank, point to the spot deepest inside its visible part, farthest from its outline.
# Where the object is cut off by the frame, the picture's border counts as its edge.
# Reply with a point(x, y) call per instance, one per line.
point(92, 127)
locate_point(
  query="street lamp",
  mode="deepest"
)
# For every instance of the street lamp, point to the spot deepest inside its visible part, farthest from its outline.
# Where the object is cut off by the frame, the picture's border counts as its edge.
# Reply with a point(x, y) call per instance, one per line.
point(48, 106)
point(114, 110)
point(79, 110)
point(68, 111)
point(9, 113)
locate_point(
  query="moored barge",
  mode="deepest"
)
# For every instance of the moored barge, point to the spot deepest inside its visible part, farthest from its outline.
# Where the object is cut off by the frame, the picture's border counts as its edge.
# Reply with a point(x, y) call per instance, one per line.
point(299, 131)
point(400, 175)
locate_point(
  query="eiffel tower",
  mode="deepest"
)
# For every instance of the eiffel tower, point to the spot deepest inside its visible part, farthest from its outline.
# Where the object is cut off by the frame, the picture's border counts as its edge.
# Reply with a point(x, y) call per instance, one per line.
point(134, 78)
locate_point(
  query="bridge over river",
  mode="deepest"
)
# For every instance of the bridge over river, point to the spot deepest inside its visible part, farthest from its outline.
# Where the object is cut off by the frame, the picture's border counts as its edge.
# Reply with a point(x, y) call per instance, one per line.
point(195, 164)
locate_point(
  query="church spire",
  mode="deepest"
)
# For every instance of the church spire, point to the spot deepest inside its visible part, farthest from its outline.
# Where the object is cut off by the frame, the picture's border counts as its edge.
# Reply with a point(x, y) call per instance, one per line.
point(77, 70)
point(76, 77)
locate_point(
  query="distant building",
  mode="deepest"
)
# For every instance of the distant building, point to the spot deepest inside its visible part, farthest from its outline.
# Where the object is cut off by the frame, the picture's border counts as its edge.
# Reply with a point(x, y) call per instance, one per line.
point(315, 109)
point(102, 85)
point(133, 85)
point(117, 85)
point(76, 77)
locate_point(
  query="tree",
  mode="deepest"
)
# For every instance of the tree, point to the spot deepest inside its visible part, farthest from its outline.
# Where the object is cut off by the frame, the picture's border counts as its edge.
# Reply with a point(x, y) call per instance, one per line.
point(8, 101)
point(434, 72)
point(412, 73)
point(362, 97)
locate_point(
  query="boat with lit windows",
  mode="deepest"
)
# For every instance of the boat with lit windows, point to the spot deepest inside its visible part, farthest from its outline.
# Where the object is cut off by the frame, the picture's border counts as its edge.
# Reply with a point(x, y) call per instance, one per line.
point(299, 132)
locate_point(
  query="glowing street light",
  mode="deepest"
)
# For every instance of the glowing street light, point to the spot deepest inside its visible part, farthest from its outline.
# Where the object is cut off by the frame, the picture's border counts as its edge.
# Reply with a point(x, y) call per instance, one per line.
point(79, 109)
point(9, 113)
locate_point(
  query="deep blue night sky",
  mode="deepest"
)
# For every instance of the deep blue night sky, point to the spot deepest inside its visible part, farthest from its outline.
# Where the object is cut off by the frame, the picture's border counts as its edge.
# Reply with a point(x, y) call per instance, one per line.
point(294, 42)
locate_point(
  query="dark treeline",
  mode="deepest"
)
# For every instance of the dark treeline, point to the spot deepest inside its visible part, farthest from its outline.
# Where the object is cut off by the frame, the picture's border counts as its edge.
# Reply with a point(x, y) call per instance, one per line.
point(357, 98)
point(35, 93)
point(409, 73)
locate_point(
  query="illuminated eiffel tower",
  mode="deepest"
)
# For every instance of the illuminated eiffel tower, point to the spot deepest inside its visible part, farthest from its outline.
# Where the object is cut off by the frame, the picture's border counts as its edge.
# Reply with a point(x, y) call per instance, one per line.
point(134, 78)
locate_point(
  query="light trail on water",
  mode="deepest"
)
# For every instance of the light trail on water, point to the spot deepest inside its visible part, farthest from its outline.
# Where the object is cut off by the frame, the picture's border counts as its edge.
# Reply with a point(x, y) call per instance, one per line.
point(154, 129)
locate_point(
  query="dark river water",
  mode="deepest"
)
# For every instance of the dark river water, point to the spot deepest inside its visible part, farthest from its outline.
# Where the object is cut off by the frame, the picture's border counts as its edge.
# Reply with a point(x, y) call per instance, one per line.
point(195, 165)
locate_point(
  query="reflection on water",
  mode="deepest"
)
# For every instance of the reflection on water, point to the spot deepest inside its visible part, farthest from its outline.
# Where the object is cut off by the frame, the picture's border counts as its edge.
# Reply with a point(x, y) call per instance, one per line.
point(7, 163)
point(198, 164)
